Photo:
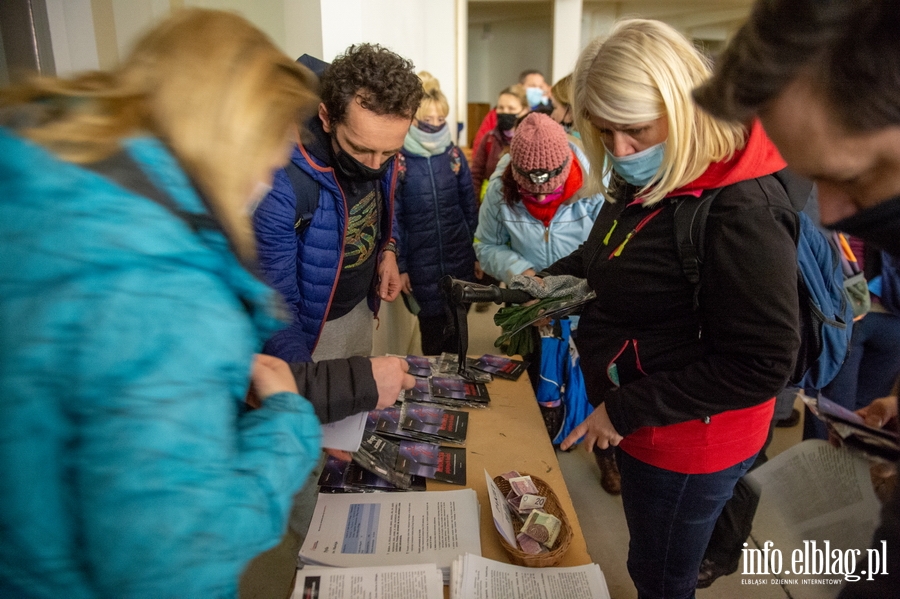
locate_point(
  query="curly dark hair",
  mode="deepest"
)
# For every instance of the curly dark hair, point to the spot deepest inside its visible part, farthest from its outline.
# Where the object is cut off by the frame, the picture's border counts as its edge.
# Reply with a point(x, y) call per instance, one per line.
point(385, 83)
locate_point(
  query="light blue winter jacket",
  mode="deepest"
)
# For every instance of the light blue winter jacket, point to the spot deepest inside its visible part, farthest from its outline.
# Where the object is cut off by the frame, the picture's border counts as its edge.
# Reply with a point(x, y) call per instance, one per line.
point(127, 466)
point(509, 241)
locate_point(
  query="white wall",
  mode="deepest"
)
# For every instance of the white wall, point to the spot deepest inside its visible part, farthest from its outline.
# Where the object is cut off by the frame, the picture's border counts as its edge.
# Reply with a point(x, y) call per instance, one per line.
point(424, 32)
point(567, 17)
point(597, 20)
point(72, 36)
point(500, 50)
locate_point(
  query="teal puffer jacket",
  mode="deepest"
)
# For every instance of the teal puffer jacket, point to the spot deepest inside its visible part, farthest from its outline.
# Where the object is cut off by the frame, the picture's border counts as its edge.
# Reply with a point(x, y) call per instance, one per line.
point(128, 467)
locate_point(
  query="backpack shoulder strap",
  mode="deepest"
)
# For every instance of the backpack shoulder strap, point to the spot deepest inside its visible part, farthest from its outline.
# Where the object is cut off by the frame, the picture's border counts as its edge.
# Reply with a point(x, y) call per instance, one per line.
point(690, 236)
point(306, 196)
point(123, 170)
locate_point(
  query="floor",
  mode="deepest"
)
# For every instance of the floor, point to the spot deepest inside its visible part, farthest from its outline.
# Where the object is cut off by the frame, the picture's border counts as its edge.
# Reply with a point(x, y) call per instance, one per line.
point(600, 514)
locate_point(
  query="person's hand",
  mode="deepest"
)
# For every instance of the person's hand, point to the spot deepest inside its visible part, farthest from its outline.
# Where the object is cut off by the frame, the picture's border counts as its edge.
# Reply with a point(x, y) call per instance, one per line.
point(405, 285)
point(271, 375)
point(596, 429)
point(389, 277)
point(479, 274)
point(530, 273)
point(391, 378)
point(340, 454)
point(880, 412)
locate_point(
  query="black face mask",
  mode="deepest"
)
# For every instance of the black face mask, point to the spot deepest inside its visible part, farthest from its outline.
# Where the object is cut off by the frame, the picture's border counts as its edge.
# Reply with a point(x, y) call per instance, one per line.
point(429, 128)
point(355, 170)
point(878, 225)
point(506, 121)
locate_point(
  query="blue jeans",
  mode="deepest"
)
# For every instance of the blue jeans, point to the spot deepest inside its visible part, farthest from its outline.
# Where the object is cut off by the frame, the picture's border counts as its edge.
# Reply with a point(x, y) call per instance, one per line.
point(670, 519)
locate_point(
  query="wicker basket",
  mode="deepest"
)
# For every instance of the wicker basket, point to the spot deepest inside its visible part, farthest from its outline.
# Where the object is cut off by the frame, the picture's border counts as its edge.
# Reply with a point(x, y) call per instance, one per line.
point(542, 560)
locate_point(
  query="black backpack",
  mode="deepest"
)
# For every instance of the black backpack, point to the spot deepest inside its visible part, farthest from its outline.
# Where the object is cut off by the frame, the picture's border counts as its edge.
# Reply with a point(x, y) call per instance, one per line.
point(306, 196)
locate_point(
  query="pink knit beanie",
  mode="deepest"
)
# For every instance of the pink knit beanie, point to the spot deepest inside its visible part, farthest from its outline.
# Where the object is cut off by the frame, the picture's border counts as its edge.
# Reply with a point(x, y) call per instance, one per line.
point(538, 149)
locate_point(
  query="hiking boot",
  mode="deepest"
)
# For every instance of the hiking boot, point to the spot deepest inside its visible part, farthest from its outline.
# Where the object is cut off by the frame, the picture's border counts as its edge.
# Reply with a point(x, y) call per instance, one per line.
point(790, 421)
point(553, 419)
point(710, 571)
point(609, 474)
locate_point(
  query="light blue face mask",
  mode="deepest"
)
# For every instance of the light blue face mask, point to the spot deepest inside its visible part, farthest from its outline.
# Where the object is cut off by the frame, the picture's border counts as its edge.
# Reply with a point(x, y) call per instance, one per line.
point(639, 168)
point(534, 95)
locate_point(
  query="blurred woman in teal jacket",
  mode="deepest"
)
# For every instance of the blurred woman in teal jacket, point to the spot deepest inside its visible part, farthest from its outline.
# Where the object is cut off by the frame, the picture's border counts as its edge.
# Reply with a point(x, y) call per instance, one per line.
point(130, 464)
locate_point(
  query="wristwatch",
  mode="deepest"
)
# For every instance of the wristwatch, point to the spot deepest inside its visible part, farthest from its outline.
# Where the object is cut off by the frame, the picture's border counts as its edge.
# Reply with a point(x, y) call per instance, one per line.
point(390, 246)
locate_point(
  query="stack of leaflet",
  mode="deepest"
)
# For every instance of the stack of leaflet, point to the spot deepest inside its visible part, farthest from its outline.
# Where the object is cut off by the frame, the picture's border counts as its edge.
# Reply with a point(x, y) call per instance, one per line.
point(476, 577)
point(391, 529)
point(450, 391)
point(448, 365)
point(420, 581)
point(339, 476)
point(399, 462)
point(422, 422)
point(437, 382)
point(500, 366)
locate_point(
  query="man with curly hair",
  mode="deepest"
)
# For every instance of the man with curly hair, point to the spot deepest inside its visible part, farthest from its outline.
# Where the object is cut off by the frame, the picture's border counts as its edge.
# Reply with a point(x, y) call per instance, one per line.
point(327, 232)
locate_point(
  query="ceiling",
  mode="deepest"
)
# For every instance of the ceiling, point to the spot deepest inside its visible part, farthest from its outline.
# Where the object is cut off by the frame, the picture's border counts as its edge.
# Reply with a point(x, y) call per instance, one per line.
point(705, 19)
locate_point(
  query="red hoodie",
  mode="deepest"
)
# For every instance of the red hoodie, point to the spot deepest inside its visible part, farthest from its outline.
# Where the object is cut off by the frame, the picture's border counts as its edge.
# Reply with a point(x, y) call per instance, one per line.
point(697, 447)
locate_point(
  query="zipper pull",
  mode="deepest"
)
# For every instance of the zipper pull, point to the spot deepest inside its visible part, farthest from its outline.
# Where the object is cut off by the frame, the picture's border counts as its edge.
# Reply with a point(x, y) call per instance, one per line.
point(610, 232)
point(621, 247)
point(546, 234)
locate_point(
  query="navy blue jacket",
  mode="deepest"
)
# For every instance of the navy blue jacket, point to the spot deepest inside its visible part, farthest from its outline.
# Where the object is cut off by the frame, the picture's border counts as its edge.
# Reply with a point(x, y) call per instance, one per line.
point(304, 268)
point(437, 214)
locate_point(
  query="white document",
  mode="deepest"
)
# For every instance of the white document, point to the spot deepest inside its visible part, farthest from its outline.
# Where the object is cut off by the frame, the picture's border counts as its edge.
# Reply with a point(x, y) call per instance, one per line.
point(500, 511)
point(345, 434)
point(386, 582)
point(476, 577)
point(813, 493)
point(388, 529)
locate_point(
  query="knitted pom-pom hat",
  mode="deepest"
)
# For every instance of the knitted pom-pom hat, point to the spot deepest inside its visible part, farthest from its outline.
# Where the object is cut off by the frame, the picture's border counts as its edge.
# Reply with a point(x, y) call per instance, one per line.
point(540, 154)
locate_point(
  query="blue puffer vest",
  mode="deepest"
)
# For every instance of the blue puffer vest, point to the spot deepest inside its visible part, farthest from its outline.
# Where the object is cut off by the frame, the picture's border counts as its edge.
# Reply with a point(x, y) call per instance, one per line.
point(305, 268)
point(437, 215)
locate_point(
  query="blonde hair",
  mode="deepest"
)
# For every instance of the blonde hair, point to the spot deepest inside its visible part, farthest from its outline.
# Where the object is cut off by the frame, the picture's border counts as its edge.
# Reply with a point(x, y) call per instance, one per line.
point(562, 90)
point(433, 96)
point(517, 91)
point(642, 71)
point(208, 84)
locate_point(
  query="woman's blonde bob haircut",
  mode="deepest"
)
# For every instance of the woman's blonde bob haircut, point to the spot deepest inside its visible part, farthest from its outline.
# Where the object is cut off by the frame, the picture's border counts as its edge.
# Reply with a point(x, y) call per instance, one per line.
point(208, 84)
point(562, 91)
point(433, 97)
point(642, 71)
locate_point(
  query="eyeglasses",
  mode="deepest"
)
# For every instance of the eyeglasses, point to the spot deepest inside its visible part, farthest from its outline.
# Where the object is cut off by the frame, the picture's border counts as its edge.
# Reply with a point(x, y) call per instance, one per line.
point(540, 176)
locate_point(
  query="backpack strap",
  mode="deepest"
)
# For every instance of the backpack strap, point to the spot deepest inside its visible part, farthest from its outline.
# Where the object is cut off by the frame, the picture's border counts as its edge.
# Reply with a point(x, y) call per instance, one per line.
point(690, 235)
point(306, 196)
point(123, 170)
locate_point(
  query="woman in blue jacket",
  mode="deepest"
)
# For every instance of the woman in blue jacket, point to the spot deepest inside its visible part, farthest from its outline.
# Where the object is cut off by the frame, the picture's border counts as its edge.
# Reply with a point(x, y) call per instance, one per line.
point(536, 209)
point(130, 464)
point(436, 214)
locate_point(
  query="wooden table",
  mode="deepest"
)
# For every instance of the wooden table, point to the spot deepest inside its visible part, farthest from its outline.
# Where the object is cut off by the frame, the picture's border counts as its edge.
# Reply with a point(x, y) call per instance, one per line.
point(510, 435)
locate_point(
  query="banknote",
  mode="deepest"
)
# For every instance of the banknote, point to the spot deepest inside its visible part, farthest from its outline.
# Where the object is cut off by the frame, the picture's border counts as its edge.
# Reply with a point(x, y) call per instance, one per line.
point(531, 502)
point(523, 485)
point(542, 527)
point(529, 545)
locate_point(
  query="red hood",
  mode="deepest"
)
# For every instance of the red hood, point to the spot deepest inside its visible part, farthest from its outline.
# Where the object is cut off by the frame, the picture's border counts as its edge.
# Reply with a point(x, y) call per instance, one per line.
point(758, 158)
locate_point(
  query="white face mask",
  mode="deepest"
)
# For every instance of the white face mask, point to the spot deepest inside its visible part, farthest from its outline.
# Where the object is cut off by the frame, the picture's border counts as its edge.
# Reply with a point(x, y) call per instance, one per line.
point(260, 191)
